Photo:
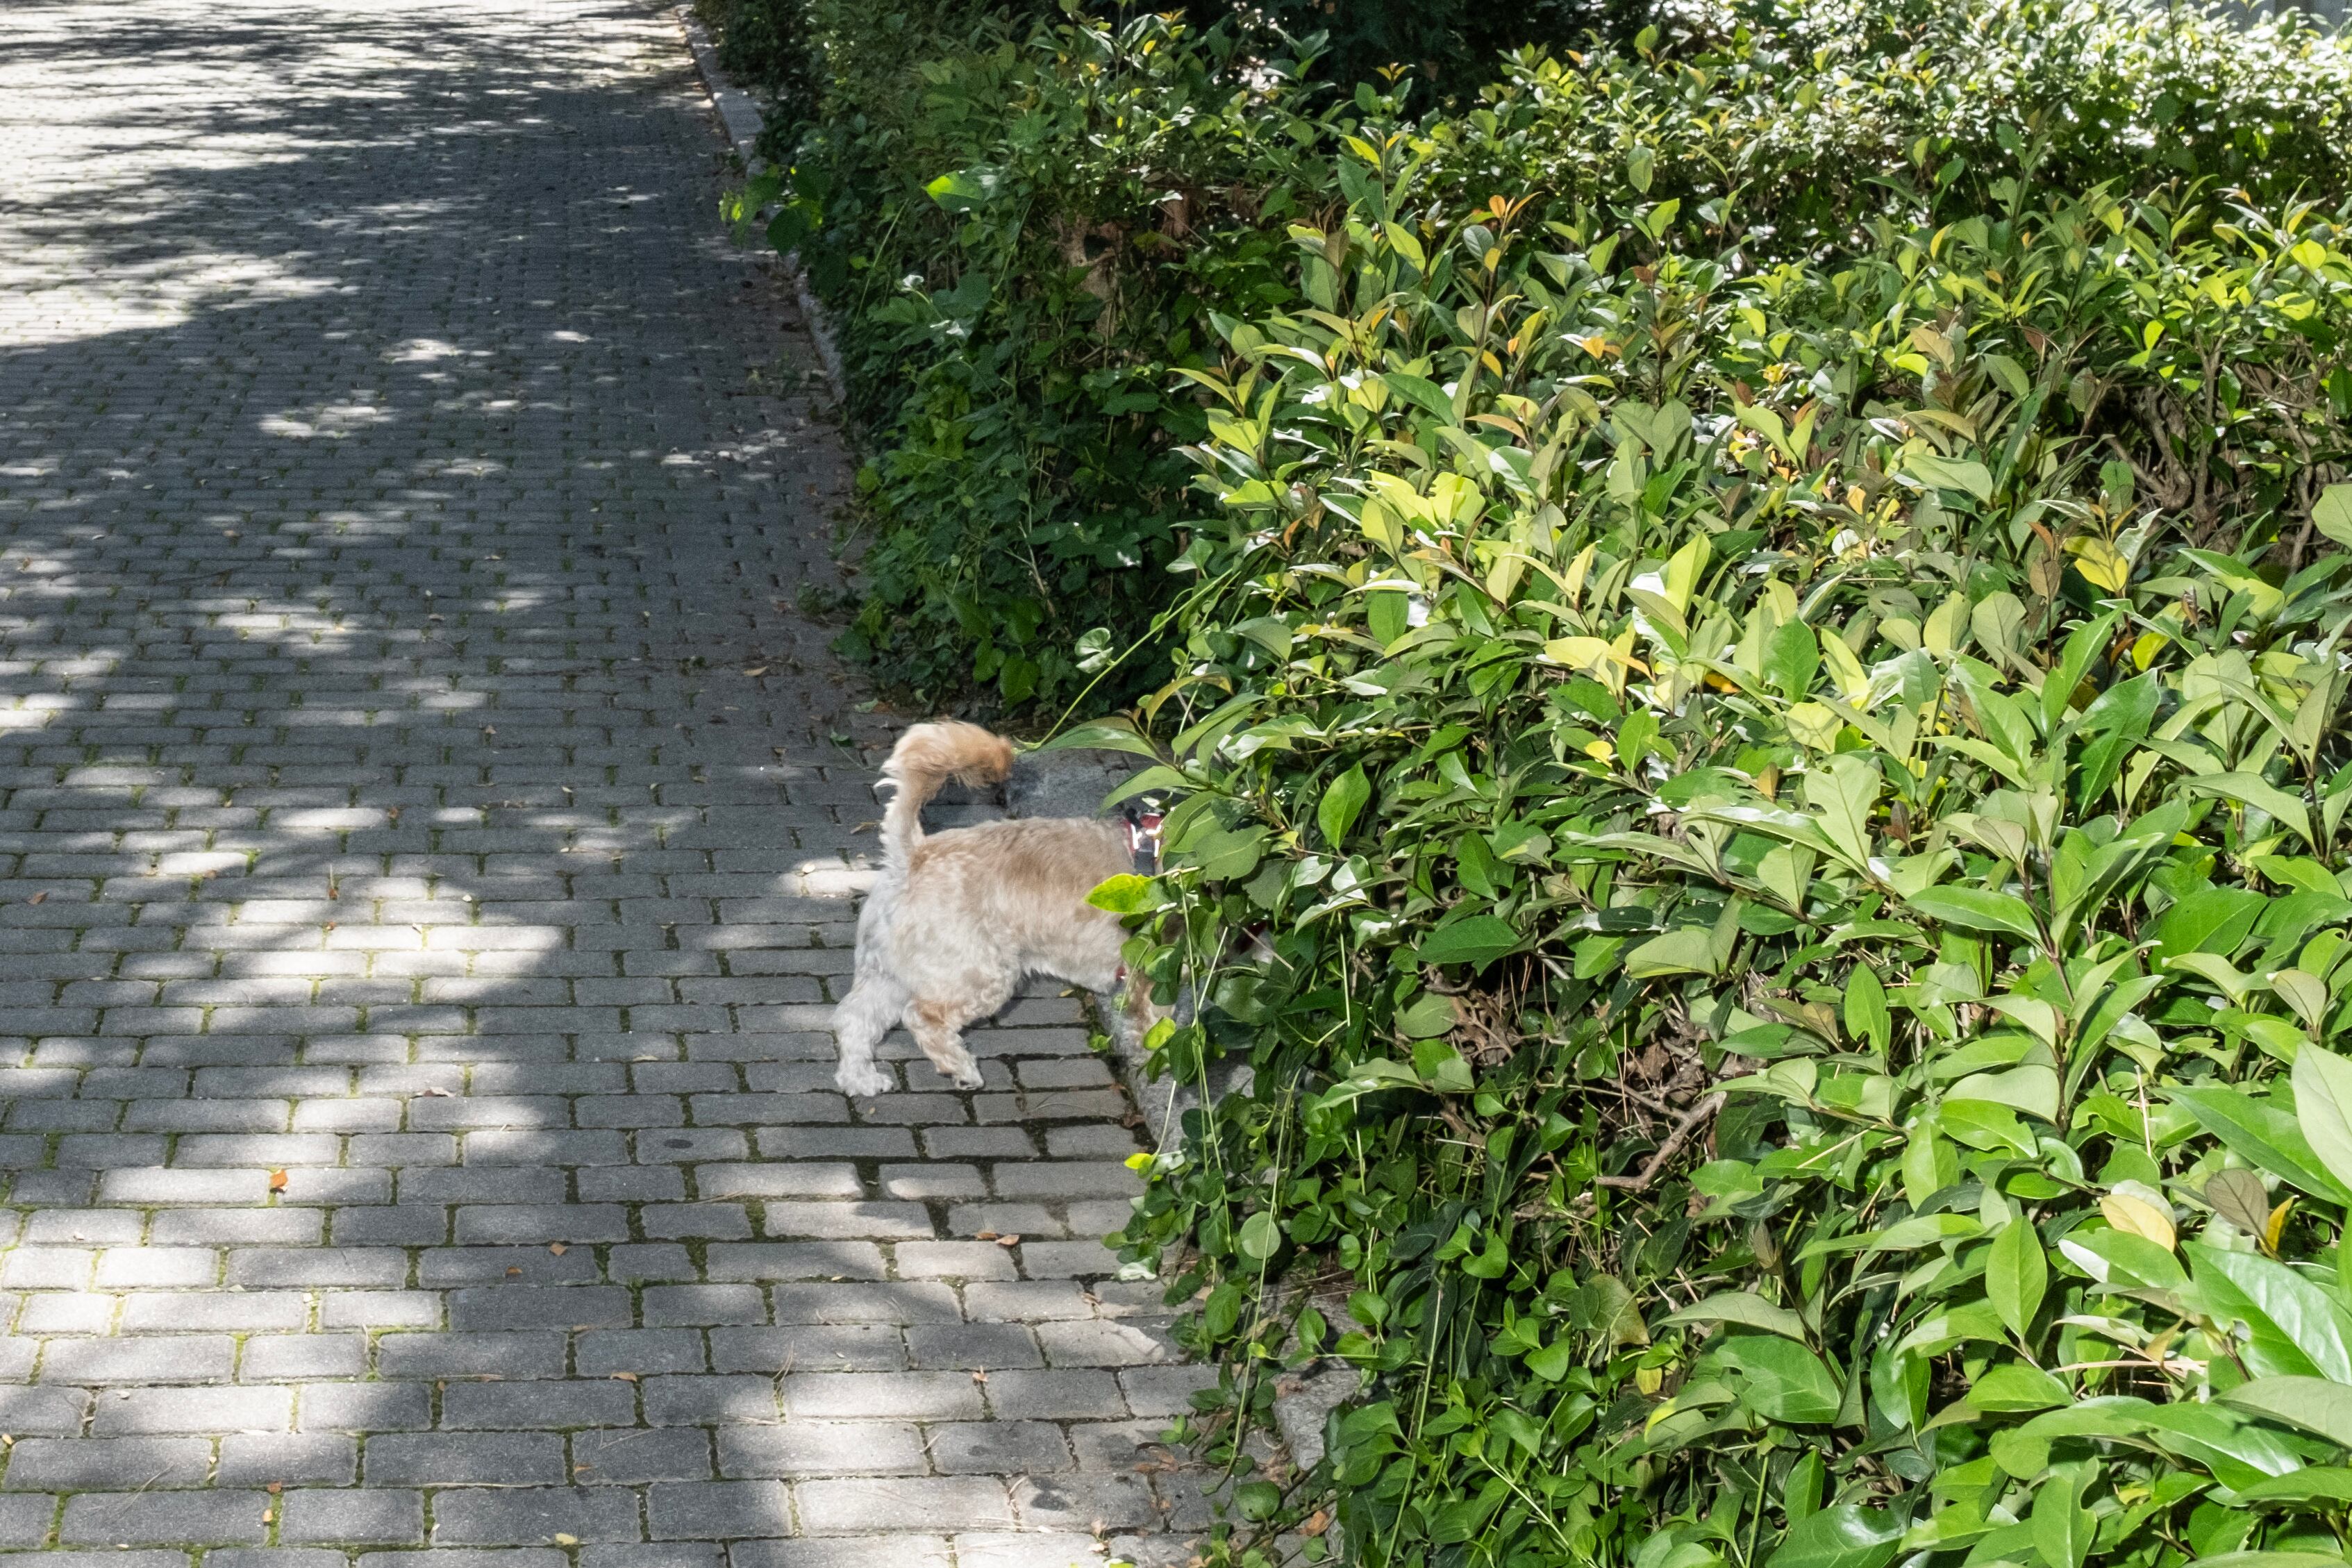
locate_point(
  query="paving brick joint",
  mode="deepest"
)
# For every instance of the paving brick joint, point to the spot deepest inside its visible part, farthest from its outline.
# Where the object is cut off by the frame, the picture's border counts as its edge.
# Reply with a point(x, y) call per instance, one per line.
point(429, 837)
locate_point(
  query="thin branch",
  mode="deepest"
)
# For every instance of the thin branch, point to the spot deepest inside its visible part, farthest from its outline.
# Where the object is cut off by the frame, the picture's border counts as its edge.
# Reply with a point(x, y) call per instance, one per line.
point(1666, 1150)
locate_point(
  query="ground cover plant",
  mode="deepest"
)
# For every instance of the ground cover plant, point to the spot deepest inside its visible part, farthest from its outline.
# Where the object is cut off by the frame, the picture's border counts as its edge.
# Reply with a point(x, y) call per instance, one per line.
point(1751, 638)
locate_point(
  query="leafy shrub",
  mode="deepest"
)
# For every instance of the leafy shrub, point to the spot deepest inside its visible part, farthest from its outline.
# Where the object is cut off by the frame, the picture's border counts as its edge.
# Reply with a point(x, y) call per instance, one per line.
point(1020, 237)
point(1792, 821)
point(1022, 230)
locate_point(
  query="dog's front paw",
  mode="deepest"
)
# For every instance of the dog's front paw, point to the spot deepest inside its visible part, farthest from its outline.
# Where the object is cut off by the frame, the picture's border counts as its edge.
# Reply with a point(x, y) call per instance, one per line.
point(860, 1079)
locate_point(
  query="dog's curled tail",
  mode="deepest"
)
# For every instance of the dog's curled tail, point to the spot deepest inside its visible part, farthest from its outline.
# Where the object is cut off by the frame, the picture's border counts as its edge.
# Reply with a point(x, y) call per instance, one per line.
point(925, 758)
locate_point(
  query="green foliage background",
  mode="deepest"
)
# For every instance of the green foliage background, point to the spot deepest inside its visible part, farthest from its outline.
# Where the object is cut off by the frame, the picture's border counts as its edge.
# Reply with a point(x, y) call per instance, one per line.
point(1751, 635)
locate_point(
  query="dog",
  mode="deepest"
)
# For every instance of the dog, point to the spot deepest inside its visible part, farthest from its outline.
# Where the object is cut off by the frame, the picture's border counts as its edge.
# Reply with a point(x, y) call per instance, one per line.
point(960, 918)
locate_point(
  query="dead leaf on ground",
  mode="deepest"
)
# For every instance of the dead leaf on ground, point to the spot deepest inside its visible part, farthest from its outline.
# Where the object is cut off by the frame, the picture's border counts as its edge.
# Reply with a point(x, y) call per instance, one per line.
point(277, 1181)
point(558, 1247)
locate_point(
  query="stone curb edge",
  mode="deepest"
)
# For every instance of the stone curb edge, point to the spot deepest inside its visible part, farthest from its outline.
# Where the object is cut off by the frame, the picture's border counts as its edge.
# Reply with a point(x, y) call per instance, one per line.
point(742, 121)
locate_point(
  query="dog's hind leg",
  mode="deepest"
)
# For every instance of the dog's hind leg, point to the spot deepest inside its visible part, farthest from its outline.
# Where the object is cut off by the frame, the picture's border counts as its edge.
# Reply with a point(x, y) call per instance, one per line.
point(861, 1020)
point(937, 1025)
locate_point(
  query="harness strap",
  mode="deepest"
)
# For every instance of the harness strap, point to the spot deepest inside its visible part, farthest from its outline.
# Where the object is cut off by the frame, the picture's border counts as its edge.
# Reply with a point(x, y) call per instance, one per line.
point(1143, 840)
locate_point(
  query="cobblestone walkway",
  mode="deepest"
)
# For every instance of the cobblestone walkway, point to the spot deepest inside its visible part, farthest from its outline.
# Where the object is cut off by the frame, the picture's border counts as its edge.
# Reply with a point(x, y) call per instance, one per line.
point(427, 848)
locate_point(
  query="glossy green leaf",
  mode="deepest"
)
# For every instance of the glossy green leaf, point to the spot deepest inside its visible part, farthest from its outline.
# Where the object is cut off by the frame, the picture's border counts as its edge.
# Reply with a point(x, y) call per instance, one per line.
point(1477, 940)
point(2298, 1329)
point(2314, 1405)
point(2329, 1485)
point(1343, 801)
point(2323, 1109)
point(2063, 1527)
point(2012, 1387)
point(2016, 1274)
point(2262, 1134)
point(1978, 908)
point(1121, 895)
point(1783, 1379)
point(1745, 1308)
point(1845, 1535)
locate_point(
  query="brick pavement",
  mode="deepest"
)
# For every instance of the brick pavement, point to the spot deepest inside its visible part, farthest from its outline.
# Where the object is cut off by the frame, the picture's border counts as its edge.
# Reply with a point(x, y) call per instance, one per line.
point(427, 850)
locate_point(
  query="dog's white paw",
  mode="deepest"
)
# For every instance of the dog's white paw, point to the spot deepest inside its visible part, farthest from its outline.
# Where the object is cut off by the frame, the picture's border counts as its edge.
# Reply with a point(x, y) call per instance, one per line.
point(966, 1076)
point(859, 1079)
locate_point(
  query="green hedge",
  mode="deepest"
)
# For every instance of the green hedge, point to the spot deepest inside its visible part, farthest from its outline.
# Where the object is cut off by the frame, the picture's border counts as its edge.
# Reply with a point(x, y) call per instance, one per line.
point(1022, 233)
point(1793, 826)
point(1752, 633)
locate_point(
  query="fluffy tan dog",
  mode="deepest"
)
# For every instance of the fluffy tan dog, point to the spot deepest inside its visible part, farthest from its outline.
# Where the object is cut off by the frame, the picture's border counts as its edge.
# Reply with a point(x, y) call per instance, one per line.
point(960, 918)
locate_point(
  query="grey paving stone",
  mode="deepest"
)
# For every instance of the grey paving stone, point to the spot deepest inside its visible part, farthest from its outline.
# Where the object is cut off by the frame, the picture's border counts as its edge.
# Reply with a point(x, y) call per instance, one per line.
point(43, 1411)
point(470, 1355)
point(845, 1551)
point(1100, 1344)
point(25, 1520)
point(126, 1412)
point(973, 1347)
point(998, 1448)
point(717, 1510)
point(1085, 1502)
point(90, 1463)
point(709, 1401)
point(1074, 1549)
point(654, 1555)
point(539, 1403)
point(857, 1505)
point(629, 1457)
point(275, 1357)
point(832, 1347)
point(640, 1350)
point(822, 1448)
point(364, 1406)
point(165, 1519)
point(913, 1395)
point(377, 1516)
point(1055, 1396)
point(532, 1516)
point(454, 1458)
point(287, 1458)
point(162, 1359)
point(796, 1260)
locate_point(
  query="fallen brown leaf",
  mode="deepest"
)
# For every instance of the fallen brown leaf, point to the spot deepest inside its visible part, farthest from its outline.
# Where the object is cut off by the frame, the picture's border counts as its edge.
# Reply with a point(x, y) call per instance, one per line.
point(40, 898)
point(558, 1247)
point(277, 1181)
point(984, 1235)
point(1008, 1241)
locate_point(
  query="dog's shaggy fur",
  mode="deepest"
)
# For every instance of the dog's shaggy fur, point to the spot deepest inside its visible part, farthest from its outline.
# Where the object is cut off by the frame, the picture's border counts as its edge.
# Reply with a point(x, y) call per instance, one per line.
point(960, 918)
